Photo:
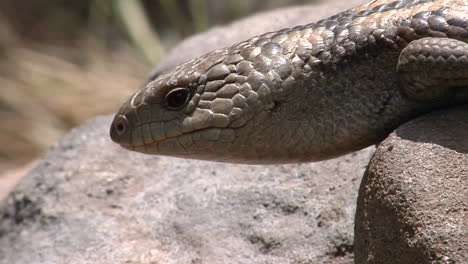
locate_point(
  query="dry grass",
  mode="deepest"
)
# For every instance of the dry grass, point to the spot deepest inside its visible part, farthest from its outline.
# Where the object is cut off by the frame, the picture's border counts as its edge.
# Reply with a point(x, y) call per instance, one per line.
point(43, 96)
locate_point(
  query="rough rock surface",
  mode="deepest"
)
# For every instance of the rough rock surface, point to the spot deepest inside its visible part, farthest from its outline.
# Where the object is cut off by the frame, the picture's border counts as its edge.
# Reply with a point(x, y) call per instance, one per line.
point(413, 201)
point(89, 201)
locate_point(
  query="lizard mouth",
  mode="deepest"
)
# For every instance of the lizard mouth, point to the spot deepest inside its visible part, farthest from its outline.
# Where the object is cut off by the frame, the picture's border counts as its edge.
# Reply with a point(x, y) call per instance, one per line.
point(180, 142)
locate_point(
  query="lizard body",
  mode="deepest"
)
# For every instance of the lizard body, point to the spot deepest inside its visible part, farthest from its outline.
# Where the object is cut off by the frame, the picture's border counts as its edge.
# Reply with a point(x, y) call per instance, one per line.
point(307, 93)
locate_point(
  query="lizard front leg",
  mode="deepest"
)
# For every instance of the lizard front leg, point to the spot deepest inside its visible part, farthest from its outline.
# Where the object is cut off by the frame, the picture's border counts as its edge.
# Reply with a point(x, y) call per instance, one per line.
point(435, 69)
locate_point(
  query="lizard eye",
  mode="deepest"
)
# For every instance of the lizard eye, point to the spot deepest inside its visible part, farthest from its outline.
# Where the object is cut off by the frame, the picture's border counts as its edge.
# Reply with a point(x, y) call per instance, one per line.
point(177, 98)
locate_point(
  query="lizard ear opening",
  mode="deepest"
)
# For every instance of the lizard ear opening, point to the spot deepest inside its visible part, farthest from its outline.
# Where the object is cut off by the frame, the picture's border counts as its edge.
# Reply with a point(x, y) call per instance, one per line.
point(177, 98)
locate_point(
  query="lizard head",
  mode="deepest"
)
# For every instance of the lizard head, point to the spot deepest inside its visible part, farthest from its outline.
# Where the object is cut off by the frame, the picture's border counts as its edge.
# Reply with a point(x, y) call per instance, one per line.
point(221, 107)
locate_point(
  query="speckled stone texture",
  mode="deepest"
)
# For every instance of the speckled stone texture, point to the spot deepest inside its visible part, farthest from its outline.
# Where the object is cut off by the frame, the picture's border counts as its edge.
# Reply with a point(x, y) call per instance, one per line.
point(90, 201)
point(413, 201)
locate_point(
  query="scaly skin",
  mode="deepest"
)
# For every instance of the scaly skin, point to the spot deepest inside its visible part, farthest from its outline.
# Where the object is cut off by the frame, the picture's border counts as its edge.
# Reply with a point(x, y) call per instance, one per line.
point(308, 93)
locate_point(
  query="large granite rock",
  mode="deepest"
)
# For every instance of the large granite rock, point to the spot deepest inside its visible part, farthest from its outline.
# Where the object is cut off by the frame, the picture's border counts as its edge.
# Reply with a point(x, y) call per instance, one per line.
point(413, 201)
point(90, 201)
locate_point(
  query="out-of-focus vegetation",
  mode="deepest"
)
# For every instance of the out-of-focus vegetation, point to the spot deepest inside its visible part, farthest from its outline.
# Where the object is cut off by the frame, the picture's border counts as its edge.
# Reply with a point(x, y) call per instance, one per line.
point(63, 62)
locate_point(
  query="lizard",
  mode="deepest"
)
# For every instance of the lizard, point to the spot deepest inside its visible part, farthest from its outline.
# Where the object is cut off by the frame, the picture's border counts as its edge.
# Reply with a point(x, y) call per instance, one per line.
point(307, 93)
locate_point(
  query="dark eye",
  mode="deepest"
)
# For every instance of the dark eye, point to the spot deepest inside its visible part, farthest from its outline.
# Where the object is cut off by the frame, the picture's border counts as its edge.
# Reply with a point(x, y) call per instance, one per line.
point(177, 98)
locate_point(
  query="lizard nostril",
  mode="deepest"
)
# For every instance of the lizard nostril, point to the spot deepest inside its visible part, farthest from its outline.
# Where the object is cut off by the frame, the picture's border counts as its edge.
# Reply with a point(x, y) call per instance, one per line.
point(119, 129)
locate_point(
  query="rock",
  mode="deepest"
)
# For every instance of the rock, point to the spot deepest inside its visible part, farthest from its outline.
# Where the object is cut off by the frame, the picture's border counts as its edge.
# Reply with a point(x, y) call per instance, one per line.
point(9, 178)
point(90, 201)
point(413, 200)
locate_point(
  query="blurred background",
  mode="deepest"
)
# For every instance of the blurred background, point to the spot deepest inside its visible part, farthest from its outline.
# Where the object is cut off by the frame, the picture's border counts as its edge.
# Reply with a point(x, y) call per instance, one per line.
point(64, 62)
